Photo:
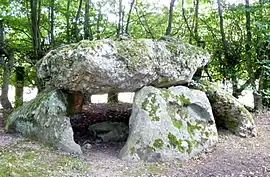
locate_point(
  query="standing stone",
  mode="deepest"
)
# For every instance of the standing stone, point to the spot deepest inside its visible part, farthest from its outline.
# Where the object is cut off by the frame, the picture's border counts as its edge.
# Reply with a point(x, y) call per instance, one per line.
point(44, 119)
point(229, 113)
point(167, 124)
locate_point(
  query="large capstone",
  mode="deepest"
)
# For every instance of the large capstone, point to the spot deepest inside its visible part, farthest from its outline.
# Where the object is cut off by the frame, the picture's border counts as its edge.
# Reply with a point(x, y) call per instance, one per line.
point(229, 113)
point(167, 124)
point(44, 119)
point(106, 65)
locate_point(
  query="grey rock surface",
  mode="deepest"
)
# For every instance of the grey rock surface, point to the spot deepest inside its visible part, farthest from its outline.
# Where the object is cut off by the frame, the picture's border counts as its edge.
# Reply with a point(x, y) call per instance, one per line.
point(44, 119)
point(127, 65)
point(229, 113)
point(109, 131)
point(167, 124)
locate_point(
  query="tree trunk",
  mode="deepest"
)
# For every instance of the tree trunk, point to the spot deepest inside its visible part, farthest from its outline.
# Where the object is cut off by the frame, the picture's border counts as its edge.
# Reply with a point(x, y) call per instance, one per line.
point(235, 92)
point(223, 36)
point(68, 22)
point(170, 19)
point(6, 70)
point(258, 97)
point(113, 97)
point(75, 102)
point(186, 21)
point(76, 29)
point(52, 23)
point(248, 54)
point(98, 21)
point(34, 26)
point(87, 28)
point(196, 34)
point(19, 86)
point(119, 26)
point(129, 16)
point(4, 95)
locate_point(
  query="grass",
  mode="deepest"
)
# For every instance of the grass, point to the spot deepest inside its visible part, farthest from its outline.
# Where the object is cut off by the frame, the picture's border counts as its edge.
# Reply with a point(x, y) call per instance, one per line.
point(22, 160)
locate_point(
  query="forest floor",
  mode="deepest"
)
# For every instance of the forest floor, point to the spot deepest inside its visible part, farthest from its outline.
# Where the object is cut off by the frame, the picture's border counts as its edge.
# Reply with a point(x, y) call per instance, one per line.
point(232, 157)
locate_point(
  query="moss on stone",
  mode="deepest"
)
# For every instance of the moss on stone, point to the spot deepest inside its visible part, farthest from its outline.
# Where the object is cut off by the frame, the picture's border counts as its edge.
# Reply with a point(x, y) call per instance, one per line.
point(21, 160)
point(177, 123)
point(183, 99)
point(231, 123)
point(172, 47)
point(149, 105)
point(132, 150)
point(192, 127)
point(183, 113)
point(173, 141)
point(31, 106)
point(191, 144)
point(150, 148)
point(158, 143)
point(165, 94)
point(176, 143)
point(132, 52)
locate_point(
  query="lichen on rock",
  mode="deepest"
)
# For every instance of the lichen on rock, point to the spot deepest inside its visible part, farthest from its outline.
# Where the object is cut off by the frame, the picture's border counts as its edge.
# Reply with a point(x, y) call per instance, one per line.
point(185, 127)
point(229, 113)
point(127, 65)
point(44, 119)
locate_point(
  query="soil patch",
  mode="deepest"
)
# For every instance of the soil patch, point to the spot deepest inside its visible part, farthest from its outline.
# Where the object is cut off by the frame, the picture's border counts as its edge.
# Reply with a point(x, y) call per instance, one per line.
point(232, 157)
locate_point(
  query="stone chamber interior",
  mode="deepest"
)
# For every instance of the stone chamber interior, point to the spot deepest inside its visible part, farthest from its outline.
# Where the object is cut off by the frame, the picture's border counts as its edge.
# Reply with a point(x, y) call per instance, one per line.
point(97, 122)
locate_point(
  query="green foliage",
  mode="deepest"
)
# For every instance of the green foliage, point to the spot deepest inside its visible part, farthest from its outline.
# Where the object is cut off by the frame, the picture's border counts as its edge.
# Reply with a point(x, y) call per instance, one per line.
point(148, 20)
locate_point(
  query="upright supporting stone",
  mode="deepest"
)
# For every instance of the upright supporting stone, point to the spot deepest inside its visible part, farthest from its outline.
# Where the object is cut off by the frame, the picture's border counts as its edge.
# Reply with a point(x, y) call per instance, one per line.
point(167, 124)
point(44, 119)
point(229, 113)
point(75, 102)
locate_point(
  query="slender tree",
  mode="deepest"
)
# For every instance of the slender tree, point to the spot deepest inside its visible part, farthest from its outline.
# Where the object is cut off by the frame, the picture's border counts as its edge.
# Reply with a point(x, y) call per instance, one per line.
point(6, 69)
point(87, 27)
point(34, 26)
point(196, 22)
point(99, 20)
point(129, 16)
point(68, 36)
point(75, 26)
point(52, 22)
point(170, 19)
point(120, 18)
point(186, 22)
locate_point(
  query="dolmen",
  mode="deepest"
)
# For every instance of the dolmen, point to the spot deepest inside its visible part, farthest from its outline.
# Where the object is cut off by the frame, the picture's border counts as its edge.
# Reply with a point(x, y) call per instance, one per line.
point(173, 117)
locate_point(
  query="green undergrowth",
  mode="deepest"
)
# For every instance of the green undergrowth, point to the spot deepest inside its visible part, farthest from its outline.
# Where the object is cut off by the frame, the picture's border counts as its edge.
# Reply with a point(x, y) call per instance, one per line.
point(27, 159)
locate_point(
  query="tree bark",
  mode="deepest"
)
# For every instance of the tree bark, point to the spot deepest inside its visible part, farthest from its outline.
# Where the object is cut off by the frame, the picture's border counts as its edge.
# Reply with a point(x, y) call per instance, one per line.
point(19, 86)
point(196, 23)
point(129, 16)
point(119, 26)
point(4, 95)
point(186, 21)
point(6, 70)
point(75, 102)
point(248, 56)
point(34, 26)
point(170, 19)
point(68, 22)
point(98, 21)
point(87, 28)
point(76, 29)
point(52, 23)
point(112, 97)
